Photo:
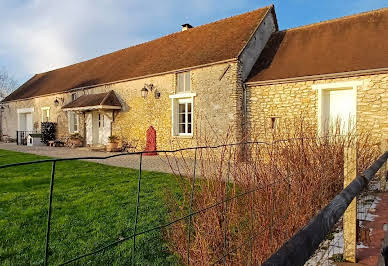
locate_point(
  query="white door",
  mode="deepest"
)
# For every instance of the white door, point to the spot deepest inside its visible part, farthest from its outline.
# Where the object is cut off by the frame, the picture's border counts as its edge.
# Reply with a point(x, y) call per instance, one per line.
point(339, 110)
point(104, 124)
point(29, 124)
point(95, 128)
point(22, 121)
point(89, 128)
point(107, 127)
point(25, 122)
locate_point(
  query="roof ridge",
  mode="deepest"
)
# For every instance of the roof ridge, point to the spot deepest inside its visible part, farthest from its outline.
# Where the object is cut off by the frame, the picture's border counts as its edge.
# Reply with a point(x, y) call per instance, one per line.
point(164, 36)
point(106, 97)
point(365, 13)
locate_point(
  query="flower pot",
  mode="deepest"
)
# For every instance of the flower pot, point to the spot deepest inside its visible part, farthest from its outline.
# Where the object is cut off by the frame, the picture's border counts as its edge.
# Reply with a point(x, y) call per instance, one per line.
point(76, 143)
point(112, 146)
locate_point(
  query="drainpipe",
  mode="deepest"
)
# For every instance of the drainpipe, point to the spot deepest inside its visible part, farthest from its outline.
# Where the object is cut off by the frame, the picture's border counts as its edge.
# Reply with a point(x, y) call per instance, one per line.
point(84, 138)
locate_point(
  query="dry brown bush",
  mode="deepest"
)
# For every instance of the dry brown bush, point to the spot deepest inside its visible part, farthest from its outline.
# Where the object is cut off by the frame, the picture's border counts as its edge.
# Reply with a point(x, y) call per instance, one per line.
point(274, 192)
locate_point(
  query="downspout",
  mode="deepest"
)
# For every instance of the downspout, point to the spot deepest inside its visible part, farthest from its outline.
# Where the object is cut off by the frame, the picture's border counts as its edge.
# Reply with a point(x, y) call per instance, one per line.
point(84, 138)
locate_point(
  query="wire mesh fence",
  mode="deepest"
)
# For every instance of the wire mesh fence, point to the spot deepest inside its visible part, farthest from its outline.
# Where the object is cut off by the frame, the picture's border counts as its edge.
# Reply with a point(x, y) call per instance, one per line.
point(225, 204)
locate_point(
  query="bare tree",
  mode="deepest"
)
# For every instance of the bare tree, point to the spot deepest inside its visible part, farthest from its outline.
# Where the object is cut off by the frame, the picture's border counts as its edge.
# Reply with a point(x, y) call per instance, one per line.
point(7, 84)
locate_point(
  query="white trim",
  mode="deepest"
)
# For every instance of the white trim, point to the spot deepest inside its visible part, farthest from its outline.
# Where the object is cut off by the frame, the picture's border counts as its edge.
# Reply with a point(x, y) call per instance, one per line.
point(183, 95)
point(70, 126)
point(46, 108)
point(333, 86)
point(25, 110)
point(186, 97)
point(336, 85)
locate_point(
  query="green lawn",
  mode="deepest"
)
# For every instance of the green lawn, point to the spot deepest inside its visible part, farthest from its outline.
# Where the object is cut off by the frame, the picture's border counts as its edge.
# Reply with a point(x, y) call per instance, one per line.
point(93, 205)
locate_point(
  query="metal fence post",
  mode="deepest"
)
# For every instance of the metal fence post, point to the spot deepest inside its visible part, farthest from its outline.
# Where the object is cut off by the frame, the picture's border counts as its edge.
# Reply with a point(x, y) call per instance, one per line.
point(191, 208)
point(137, 209)
point(49, 214)
point(226, 207)
point(350, 215)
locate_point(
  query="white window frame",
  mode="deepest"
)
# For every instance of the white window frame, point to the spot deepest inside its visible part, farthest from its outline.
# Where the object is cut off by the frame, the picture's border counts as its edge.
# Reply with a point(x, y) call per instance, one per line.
point(352, 85)
point(184, 82)
point(71, 126)
point(43, 109)
point(175, 100)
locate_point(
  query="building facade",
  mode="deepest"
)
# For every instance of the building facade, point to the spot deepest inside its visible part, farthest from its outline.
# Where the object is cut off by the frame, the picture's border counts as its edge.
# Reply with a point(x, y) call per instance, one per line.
point(238, 77)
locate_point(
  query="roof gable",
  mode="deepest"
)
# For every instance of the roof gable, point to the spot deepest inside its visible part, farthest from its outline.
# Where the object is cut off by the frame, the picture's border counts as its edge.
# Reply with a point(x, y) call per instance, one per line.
point(210, 43)
point(99, 99)
point(346, 44)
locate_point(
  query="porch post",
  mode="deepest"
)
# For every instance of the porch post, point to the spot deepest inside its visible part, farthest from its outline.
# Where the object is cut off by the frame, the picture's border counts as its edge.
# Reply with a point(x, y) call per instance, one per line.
point(84, 130)
point(350, 215)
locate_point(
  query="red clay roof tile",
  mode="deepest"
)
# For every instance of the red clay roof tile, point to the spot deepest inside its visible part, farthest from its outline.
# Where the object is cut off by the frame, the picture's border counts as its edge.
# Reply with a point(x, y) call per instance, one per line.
point(358, 42)
point(210, 43)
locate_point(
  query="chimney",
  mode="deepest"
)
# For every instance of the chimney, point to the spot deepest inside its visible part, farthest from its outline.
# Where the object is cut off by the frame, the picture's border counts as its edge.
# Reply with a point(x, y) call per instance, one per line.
point(186, 27)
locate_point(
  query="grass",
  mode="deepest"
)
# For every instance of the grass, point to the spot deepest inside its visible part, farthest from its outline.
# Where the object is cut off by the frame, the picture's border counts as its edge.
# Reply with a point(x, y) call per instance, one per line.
point(93, 205)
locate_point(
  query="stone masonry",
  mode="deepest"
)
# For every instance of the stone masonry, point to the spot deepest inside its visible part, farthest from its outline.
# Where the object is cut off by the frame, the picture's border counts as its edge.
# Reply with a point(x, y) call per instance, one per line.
point(218, 97)
point(287, 101)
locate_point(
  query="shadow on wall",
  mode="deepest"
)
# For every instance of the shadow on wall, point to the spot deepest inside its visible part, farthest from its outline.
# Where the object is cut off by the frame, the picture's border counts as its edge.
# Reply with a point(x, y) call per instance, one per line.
point(268, 53)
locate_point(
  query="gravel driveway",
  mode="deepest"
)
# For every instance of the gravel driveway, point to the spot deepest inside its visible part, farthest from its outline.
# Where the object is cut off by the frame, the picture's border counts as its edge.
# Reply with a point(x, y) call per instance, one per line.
point(157, 163)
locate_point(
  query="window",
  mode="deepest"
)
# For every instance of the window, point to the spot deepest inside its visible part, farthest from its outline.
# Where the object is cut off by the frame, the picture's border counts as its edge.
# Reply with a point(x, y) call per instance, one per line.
point(73, 96)
point(101, 122)
point(182, 114)
point(183, 83)
point(73, 122)
point(185, 118)
point(45, 114)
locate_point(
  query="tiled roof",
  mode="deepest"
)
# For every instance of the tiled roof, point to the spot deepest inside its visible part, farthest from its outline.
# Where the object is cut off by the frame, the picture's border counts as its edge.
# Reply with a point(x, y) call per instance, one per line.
point(210, 43)
point(100, 99)
point(358, 42)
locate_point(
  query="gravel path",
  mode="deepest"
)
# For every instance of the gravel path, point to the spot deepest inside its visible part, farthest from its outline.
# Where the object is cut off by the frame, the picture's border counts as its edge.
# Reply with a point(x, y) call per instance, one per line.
point(157, 163)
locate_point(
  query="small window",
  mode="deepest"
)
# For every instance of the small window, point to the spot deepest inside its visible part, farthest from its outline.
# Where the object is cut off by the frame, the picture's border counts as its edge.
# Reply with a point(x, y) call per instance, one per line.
point(45, 114)
point(73, 96)
point(183, 82)
point(274, 122)
point(184, 117)
point(73, 122)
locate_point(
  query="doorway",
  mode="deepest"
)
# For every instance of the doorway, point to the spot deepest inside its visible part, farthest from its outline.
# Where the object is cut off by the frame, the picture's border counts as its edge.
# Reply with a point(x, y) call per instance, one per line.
point(98, 127)
point(338, 111)
point(25, 122)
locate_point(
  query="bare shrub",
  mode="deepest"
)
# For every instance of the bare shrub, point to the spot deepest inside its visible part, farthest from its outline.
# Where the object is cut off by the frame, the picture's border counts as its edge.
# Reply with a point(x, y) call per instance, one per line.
point(252, 206)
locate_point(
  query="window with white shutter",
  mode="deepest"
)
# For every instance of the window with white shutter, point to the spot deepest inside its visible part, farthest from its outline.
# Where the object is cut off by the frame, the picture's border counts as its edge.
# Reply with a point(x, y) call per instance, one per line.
point(183, 82)
point(45, 114)
point(73, 122)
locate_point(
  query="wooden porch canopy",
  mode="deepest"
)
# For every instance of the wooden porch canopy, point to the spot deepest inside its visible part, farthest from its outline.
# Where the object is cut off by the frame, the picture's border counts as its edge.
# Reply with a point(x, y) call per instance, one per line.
point(100, 101)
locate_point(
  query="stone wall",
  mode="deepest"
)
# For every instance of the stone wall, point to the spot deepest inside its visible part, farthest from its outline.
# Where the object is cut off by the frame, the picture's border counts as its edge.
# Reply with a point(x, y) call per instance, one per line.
point(289, 101)
point(213, 105)
point(10, 115)
point(218, 97)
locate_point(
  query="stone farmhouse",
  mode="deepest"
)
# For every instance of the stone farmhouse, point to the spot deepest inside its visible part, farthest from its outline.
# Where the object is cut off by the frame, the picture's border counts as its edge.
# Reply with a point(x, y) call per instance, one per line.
point(231, 76)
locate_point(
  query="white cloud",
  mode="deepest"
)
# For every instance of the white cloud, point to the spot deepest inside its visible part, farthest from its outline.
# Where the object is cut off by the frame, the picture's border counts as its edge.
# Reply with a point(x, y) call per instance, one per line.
point(42, 35)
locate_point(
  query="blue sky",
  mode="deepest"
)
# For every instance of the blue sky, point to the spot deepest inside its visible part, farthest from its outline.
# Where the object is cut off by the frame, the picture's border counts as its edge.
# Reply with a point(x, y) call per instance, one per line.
point(41, 35)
